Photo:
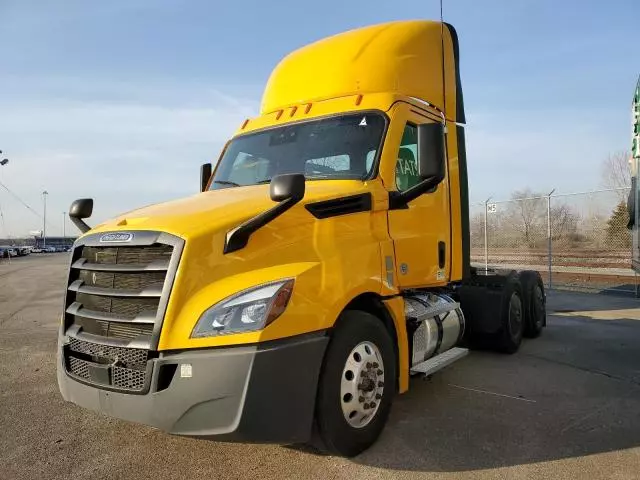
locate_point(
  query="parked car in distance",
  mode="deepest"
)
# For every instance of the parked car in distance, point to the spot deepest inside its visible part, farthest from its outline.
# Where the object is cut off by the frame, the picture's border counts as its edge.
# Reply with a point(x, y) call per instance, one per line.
point(36, 250)
point(49, 249)
point(22, 251)
point(8, 251)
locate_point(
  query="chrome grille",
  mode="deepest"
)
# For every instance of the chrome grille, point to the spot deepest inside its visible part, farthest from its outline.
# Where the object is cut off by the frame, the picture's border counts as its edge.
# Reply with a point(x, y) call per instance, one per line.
point(115, 303)
point(115, 291)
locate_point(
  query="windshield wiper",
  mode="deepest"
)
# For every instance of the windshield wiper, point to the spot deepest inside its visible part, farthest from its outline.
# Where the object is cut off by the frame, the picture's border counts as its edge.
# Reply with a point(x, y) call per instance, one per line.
point(265, 180)
point(227, 182)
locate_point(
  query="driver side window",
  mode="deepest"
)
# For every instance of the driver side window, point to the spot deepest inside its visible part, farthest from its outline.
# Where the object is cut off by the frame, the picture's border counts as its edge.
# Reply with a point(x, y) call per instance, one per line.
point(407, 162)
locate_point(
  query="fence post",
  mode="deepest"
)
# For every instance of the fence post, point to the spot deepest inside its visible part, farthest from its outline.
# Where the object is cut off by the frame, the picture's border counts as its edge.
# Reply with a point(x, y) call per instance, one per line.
point(549, 241)
point(486, 244)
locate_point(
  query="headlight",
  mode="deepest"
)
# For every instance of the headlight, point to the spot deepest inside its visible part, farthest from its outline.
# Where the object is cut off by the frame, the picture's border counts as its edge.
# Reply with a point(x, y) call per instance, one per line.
point(246, 311)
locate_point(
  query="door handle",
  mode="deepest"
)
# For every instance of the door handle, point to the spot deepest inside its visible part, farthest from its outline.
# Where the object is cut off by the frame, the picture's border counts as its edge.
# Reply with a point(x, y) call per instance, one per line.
point(442, 254)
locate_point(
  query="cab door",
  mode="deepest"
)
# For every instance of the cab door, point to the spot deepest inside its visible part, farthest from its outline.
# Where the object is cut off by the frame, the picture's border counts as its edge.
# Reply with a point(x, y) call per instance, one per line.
point(421, 230)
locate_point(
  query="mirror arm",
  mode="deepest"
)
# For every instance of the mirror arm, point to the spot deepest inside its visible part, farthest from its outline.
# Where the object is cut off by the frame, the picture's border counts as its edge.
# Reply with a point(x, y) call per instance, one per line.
point(78, 222)
point(238, 238)
point(398, 200)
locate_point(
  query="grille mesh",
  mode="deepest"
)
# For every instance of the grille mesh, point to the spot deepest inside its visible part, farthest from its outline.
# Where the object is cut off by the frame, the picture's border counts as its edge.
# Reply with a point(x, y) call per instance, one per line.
point(127, 308)
point(114, 329)
point(127, 378)
point(78, 367)
point(124, 378)
point(126, 255)
point(129, 356)
point(126, 281)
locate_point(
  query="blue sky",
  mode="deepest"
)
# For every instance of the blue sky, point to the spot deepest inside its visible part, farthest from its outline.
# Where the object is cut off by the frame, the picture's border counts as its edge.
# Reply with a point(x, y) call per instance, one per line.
point(123, 100)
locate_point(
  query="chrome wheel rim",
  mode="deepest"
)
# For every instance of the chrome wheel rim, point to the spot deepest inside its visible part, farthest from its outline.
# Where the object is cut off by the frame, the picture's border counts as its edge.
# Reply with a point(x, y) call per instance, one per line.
point(362, 384)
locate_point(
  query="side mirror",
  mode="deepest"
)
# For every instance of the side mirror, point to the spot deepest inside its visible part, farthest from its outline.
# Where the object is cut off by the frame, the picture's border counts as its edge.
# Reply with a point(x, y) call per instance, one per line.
point(287, 186)
point(431, 164)
point(287, 190)
point(80, 209)
point(205, 175)
point(431, 151)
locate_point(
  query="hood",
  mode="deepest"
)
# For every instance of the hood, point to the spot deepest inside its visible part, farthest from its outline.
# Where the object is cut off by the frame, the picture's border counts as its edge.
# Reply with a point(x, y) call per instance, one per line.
point(220, 209)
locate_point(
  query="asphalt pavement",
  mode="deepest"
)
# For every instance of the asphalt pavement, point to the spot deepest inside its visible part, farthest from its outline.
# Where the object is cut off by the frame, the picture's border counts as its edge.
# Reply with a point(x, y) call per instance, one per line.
point(566, 406)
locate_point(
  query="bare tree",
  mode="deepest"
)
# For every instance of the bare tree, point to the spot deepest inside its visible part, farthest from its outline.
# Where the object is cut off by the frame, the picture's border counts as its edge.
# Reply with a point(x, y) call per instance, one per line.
point(616, 172)
point(564, 222)
point(527, 209)
point(477, 230)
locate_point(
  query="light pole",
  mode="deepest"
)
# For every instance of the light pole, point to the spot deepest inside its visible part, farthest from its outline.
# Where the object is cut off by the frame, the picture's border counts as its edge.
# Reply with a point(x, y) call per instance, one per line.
point(64, 234)
point(44, 221)
point(3, 162)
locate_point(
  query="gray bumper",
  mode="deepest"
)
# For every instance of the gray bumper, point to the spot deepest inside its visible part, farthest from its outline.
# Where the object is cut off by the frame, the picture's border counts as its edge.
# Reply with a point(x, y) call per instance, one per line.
point(263, 393)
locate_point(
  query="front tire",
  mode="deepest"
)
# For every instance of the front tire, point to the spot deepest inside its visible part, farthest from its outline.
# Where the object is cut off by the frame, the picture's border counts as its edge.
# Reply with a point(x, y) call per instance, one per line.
point(357, 384)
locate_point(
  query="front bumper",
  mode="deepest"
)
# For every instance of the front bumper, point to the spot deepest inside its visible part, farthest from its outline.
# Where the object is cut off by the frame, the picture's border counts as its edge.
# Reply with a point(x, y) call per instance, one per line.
point(264, 393)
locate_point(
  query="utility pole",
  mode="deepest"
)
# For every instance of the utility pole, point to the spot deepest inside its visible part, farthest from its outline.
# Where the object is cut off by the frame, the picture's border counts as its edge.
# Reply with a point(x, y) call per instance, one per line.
point(44, 222)
point(3, 162)
point(486, 243)
point(64, 234)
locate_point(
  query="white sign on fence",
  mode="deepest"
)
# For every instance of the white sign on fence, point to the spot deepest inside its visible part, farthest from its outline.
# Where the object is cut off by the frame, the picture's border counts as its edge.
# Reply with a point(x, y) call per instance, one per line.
point(492, 207)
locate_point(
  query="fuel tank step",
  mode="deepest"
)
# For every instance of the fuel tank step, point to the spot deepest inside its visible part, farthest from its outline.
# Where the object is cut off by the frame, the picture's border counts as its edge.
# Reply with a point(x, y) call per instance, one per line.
point(421, 312)
point(440, 361)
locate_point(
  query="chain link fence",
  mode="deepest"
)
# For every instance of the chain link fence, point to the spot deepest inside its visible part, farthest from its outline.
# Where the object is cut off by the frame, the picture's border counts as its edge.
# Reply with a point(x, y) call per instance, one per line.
point(575, 240)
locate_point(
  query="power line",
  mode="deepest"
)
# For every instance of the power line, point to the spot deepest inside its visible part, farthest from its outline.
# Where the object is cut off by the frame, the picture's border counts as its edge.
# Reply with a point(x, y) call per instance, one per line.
point(21, 201)
point(4, 225)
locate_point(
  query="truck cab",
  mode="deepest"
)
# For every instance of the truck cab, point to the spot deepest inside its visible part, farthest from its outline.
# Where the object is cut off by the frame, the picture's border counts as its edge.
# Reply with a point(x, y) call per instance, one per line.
point(325, 260)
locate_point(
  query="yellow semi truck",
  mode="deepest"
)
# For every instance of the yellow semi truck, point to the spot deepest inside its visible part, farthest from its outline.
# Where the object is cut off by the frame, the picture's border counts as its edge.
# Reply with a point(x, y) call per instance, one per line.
point(325, 261)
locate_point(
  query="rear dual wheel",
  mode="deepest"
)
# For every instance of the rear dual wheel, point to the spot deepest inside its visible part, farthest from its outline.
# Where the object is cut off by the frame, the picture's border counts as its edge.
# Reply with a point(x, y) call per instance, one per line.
point(523, 311)
point(512, 317)
point(534, 303)
point(357, 384)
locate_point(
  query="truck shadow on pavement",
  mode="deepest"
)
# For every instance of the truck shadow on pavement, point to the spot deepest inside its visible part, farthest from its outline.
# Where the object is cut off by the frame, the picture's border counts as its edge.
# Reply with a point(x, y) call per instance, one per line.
point(575, 391)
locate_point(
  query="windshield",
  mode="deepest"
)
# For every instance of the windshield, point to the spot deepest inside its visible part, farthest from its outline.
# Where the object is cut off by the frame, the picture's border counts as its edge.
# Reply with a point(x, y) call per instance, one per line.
point(342, 147)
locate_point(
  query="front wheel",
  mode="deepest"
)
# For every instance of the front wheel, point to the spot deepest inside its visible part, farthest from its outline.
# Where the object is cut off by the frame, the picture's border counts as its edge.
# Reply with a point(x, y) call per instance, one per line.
point(357, 384)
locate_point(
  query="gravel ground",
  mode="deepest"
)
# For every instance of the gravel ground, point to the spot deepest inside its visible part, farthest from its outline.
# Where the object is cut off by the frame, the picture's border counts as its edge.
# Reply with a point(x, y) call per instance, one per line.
point(566, 406)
